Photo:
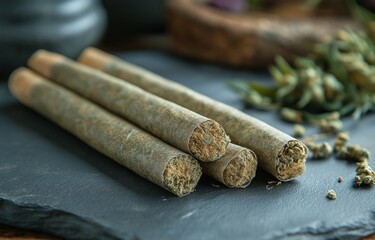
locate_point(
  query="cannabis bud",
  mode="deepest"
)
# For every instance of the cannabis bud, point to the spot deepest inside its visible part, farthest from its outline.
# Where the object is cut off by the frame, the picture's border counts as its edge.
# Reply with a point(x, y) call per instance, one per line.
point(320, 150)
point(341, 140)
point(338, 78)
point(365, 175)
point(291, 115)
point(330, 123)
point(354, 153)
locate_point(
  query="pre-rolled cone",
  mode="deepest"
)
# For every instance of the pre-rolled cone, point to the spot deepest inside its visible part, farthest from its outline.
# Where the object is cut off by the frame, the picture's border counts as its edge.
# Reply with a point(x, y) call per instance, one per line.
point(184, 129)
point(278, 153)
point(235, 169)
point(120, 140)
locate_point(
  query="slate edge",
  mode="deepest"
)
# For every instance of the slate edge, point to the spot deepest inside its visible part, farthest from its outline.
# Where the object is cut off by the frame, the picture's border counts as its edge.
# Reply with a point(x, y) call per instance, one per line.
point(54, 221)
point(357, 227)
point(68, 225)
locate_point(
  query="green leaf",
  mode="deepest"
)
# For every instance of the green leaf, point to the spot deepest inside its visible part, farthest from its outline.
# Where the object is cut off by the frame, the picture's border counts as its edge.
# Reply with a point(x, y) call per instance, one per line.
point(276, 74)
point(332, 106)
point(305, 99)
point(255, 95)
point(283, 65)
point(281, 93)
point(263, 90)
point(361, 13)
point(346, 109)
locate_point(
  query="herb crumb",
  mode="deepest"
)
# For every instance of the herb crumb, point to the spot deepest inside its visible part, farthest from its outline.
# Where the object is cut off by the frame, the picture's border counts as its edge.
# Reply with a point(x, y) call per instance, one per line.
point(331, 195)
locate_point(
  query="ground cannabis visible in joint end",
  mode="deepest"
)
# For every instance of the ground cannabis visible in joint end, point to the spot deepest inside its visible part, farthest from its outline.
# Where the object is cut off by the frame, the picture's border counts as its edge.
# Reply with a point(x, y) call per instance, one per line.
point(291, 161)
point(241, 170)
point(181, 175)
point(209, 141)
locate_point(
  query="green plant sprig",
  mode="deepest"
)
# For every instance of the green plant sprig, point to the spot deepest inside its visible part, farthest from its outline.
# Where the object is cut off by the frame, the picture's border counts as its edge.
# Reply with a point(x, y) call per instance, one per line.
point(337, 79)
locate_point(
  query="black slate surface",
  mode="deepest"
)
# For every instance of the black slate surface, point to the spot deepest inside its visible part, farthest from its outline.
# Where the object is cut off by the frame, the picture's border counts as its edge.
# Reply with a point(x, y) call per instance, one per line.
point(51, 181)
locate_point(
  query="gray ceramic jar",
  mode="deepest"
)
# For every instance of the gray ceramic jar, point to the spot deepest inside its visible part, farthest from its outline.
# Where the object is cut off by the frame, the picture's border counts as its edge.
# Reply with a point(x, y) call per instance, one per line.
point(63, 26)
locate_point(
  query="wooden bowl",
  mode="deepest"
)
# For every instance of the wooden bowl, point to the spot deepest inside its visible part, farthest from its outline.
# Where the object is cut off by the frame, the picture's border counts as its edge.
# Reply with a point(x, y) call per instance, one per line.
point(247, 40)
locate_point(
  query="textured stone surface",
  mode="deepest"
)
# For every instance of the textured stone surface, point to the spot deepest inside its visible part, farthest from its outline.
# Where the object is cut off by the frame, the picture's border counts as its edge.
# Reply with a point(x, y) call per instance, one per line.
point(50, 181)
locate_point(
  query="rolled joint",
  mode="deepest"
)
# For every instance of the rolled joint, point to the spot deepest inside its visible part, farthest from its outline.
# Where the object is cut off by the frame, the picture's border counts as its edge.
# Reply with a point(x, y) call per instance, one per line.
point(181, 175)
point(208, 142)
point(241, 170)
point(291, 160)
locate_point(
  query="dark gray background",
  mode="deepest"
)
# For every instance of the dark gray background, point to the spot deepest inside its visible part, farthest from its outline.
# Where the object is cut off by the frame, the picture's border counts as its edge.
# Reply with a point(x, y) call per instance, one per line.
point(51, 181)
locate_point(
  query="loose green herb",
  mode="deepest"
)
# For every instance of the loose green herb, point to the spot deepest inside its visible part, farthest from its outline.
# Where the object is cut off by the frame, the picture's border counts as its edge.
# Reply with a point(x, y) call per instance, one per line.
point(331, 195)
point(330, 124)
point(256, 96)
point(336, 80)
point(341, 141)
point(320, 150)
point(365, 175)
point(354, 153)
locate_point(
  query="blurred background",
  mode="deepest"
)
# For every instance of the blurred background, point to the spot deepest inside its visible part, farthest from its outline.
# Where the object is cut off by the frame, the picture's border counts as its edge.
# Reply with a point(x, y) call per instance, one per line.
point(68, 26)
point(236, 33)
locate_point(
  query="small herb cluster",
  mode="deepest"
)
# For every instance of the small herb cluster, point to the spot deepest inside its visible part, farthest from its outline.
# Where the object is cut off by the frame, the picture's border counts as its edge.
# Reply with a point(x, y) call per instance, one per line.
point(319, 150)
point(336, 80)
point(365, 175)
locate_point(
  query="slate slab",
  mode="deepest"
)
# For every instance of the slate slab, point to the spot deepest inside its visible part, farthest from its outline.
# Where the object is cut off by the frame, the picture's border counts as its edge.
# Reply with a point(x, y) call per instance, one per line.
point(51, 181)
